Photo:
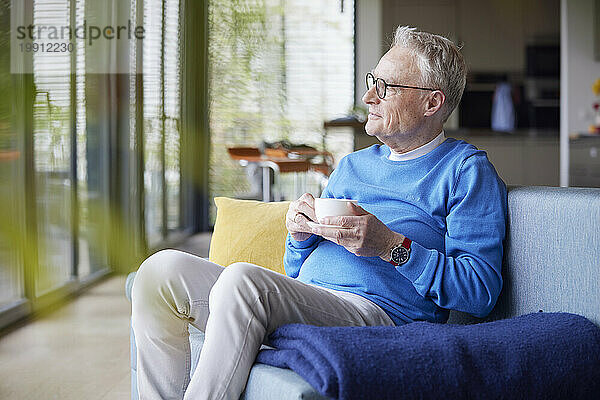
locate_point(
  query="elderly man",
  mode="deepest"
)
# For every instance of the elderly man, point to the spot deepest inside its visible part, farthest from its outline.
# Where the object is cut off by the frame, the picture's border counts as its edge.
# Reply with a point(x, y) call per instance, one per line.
point(426, 238)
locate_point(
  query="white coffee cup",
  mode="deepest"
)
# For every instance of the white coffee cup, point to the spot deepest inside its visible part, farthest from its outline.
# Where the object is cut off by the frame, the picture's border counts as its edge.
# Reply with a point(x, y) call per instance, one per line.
point(333, 207)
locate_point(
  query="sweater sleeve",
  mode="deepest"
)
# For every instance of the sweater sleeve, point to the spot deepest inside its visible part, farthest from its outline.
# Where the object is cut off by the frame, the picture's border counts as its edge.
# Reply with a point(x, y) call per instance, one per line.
point(468, 276)
point(296, 252)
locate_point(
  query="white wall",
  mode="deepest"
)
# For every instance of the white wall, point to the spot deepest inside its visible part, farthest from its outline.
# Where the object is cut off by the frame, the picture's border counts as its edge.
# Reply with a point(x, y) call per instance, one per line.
point(494, 32)
point(578, 72)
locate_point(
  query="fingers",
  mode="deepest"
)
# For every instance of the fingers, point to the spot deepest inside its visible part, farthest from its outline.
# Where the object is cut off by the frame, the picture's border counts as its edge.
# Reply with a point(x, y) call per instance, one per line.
point(307, 210)
point(347, 221)
point(358, 210)
point(297, 225)
point(307, 198)
point(305, 205)
point(301, 221)
point(295, 228)
point(295, 221)
point(336, 235)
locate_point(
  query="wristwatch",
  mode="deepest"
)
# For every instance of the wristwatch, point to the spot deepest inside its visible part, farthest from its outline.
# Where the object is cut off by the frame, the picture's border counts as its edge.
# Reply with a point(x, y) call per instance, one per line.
point(400, 254)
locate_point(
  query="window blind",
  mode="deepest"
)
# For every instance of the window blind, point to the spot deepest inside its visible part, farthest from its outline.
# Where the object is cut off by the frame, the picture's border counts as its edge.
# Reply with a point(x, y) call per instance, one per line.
point(52, 150)
point(172, 111)
point(162, 92)
point(153, 109)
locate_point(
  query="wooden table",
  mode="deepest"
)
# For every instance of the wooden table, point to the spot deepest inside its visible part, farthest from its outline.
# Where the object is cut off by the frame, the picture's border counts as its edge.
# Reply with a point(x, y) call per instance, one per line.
point(278, 164)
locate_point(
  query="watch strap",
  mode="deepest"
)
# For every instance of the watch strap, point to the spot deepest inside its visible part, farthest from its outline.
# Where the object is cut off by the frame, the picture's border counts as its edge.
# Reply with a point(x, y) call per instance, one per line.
point(406, 243)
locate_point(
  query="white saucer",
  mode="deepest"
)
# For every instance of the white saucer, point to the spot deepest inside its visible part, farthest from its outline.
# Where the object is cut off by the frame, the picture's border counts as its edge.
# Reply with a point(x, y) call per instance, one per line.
point(316, 225)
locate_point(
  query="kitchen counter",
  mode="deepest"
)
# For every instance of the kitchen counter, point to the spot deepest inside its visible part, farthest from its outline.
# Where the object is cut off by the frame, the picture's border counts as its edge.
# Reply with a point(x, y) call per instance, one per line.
point(529, 156)
point(584, 138)
point(525, 157)
point(471, 135)
point(584, 161)
point(518, 133)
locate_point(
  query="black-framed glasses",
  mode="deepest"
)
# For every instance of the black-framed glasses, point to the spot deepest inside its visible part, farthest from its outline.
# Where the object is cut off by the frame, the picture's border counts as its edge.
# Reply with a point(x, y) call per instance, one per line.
point(381, 86)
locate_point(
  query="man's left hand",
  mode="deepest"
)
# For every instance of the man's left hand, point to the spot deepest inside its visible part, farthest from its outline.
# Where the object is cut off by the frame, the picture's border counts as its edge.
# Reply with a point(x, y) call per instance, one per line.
point(362, 233)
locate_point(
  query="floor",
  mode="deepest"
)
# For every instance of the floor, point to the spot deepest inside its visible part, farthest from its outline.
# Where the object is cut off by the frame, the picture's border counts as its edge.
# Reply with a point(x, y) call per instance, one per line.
point(81, 350)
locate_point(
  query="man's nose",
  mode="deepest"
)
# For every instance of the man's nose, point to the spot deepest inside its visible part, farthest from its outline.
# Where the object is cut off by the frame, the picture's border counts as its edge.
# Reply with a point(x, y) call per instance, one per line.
point(370, 96)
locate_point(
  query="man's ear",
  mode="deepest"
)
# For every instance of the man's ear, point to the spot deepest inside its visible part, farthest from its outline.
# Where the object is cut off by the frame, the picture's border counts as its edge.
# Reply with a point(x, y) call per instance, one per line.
point(434, 102)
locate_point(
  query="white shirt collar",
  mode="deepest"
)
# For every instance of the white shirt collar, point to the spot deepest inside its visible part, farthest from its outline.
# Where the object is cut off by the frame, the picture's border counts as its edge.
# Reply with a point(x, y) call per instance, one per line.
point(419, 151)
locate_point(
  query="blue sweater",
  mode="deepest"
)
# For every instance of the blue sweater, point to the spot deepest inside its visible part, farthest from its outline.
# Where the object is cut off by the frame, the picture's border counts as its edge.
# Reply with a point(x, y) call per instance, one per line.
point(450, 202)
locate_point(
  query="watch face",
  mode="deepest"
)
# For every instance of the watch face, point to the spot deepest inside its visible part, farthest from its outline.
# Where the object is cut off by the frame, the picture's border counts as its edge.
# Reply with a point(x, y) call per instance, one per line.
point(400, 255)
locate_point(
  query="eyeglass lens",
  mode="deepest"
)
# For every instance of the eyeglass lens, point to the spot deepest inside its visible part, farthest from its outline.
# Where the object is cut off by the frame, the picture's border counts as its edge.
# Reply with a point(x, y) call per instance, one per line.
point(379, 85)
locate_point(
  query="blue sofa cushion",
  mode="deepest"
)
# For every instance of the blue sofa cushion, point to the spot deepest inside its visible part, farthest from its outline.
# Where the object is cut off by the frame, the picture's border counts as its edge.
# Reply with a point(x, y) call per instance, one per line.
point(534, 356)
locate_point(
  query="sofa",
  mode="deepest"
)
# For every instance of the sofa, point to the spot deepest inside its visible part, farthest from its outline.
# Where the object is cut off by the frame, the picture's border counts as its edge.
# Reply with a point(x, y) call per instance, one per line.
point(551, 264)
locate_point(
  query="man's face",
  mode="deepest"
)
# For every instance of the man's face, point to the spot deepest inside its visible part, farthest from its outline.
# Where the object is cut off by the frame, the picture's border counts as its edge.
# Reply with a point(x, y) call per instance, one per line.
point(400, 113)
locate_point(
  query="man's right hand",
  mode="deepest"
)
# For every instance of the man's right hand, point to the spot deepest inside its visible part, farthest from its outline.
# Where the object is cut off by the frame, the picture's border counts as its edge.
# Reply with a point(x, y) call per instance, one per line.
point(299, 212)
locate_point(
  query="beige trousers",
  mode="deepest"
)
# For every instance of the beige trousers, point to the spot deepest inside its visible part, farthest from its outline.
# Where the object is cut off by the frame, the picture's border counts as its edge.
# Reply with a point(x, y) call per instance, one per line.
point(246, 302)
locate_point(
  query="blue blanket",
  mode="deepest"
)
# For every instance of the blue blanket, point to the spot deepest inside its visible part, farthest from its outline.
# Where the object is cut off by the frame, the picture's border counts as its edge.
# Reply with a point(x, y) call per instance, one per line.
point(534, 356)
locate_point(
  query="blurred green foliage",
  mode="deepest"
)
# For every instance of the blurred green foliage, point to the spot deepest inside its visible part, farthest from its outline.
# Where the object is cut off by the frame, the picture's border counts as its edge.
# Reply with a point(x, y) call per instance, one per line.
point(36, 201)
point(246, 84)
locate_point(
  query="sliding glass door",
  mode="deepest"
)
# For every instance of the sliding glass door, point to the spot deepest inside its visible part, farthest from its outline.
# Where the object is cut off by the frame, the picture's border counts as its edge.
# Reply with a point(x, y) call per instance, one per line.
point(52, 153)
point(162, 119)
point(278, 71)
point(90, 160)
point(172, 113)
point(12, 289)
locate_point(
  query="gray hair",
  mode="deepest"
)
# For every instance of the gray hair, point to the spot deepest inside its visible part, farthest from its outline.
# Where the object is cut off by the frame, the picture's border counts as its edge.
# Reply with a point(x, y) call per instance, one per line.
point(440, 62)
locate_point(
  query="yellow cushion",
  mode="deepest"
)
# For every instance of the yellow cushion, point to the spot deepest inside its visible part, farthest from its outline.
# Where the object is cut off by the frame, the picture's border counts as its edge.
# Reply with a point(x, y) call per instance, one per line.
point(249, 231)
